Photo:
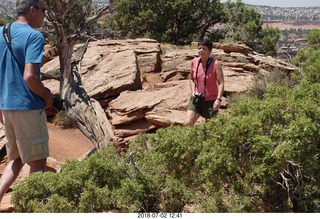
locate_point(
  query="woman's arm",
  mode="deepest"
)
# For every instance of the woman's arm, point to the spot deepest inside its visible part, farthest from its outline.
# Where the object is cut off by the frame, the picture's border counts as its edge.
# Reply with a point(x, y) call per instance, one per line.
point(220, 82)
point(220, 79)
point(191, 83)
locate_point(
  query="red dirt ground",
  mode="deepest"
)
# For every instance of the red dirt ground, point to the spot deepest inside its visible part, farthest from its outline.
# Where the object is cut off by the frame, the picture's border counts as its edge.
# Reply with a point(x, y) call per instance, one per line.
point(67, 143)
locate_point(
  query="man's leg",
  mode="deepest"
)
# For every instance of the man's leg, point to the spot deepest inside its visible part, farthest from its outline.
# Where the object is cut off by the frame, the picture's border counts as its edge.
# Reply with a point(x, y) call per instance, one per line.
point(32, 142)
point(37, 165)
point(9, 175)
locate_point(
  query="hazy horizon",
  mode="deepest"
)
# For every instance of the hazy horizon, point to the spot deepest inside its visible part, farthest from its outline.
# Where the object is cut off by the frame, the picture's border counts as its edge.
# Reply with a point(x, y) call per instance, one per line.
point(283, 3)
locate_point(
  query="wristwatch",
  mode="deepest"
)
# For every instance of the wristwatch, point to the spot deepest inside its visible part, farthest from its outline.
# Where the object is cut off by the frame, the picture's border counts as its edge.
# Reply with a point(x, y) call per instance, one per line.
point(220, 99)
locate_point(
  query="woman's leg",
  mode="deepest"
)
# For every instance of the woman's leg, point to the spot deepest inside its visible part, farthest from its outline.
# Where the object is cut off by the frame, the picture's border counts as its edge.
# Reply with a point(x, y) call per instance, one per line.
point(191, 118)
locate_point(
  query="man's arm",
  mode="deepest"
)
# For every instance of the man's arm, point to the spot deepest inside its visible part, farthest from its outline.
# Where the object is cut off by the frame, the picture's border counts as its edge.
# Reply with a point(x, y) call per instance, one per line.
point(35, 84)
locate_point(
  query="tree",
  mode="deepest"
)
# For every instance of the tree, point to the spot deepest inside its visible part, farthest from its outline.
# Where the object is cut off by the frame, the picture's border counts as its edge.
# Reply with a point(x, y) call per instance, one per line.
point(314, 39)
point(70, 20)
point(268, 42)
point(244, 24)
point(171, 21)
point(308, 58)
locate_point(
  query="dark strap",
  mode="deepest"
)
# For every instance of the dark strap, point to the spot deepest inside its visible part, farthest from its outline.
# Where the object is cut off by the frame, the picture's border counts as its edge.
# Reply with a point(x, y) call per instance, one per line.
point(205, 73)
point(7, 37)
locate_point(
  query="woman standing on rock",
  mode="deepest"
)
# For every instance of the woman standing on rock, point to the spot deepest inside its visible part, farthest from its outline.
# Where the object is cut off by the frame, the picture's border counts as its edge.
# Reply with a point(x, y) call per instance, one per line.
point(206, 84)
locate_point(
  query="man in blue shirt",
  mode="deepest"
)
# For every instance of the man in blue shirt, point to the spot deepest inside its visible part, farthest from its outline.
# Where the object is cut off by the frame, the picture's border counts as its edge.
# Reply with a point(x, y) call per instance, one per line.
point(23, 97)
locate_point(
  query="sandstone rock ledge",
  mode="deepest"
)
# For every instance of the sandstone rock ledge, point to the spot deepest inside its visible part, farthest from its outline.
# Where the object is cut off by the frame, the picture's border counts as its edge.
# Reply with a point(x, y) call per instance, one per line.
point(143, 87)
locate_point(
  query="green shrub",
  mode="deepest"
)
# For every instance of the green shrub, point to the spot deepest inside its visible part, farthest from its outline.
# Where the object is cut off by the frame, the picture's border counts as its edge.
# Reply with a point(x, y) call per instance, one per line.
point(86, 186)
point(256, 158)
point(263, 155)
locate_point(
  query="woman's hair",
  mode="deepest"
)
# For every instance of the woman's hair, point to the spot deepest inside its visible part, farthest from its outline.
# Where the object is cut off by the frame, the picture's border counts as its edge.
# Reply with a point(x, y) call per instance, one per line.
point(206, 42)
point(22, 6)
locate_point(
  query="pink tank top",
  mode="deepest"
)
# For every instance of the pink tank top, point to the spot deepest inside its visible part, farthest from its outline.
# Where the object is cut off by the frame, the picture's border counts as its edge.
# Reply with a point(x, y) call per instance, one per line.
point(208, 87)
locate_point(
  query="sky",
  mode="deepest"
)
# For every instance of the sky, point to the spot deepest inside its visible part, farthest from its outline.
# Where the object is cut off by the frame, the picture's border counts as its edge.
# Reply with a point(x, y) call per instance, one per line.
point(283, 3)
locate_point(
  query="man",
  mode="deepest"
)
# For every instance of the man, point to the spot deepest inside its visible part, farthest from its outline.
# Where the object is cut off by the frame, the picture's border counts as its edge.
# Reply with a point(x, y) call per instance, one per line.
point(23, 97)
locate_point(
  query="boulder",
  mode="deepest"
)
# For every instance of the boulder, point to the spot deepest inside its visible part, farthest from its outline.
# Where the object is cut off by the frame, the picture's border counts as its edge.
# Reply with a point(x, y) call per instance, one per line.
point(133, 105)
point(110, 67)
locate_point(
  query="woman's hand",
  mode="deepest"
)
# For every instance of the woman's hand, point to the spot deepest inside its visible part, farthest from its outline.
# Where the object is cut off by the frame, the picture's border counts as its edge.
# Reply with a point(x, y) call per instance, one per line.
point(216, 104)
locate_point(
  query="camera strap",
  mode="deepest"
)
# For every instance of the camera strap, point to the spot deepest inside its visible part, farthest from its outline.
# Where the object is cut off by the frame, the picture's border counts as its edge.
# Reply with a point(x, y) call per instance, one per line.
point(7, 38)
point(205, 73)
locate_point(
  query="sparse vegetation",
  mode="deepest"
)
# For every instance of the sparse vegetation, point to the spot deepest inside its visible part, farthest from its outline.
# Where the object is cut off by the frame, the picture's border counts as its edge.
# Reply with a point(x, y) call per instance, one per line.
point(277, 77)
point(62, 119)
point(168, 66)
point(299, 14)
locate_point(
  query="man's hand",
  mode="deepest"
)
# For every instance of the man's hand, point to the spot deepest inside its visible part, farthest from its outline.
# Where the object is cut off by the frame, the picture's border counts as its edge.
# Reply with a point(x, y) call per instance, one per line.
point(1, 120)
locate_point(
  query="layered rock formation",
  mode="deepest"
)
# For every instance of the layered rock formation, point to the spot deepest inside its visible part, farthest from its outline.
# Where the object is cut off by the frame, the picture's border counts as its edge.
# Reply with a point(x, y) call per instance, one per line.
point(143, 85)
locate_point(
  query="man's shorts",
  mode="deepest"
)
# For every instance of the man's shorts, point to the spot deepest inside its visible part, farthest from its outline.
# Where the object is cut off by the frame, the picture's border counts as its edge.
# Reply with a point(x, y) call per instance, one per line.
point(205, 108)
point(27, 134)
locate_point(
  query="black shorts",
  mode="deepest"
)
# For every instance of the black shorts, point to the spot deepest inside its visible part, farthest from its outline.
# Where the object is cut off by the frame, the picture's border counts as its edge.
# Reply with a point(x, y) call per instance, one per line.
point(205, 109)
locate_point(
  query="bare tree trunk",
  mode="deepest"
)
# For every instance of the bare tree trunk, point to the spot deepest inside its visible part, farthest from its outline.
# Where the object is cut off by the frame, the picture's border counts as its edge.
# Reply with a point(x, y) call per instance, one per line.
point(86, 112)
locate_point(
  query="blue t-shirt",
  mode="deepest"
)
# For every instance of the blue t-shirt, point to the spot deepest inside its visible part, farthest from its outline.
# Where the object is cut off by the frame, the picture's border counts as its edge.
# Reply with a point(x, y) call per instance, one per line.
point(27, 45)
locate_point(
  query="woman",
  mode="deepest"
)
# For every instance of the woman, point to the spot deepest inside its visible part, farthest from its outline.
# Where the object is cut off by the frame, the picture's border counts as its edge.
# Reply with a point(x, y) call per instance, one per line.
point(206, 83)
